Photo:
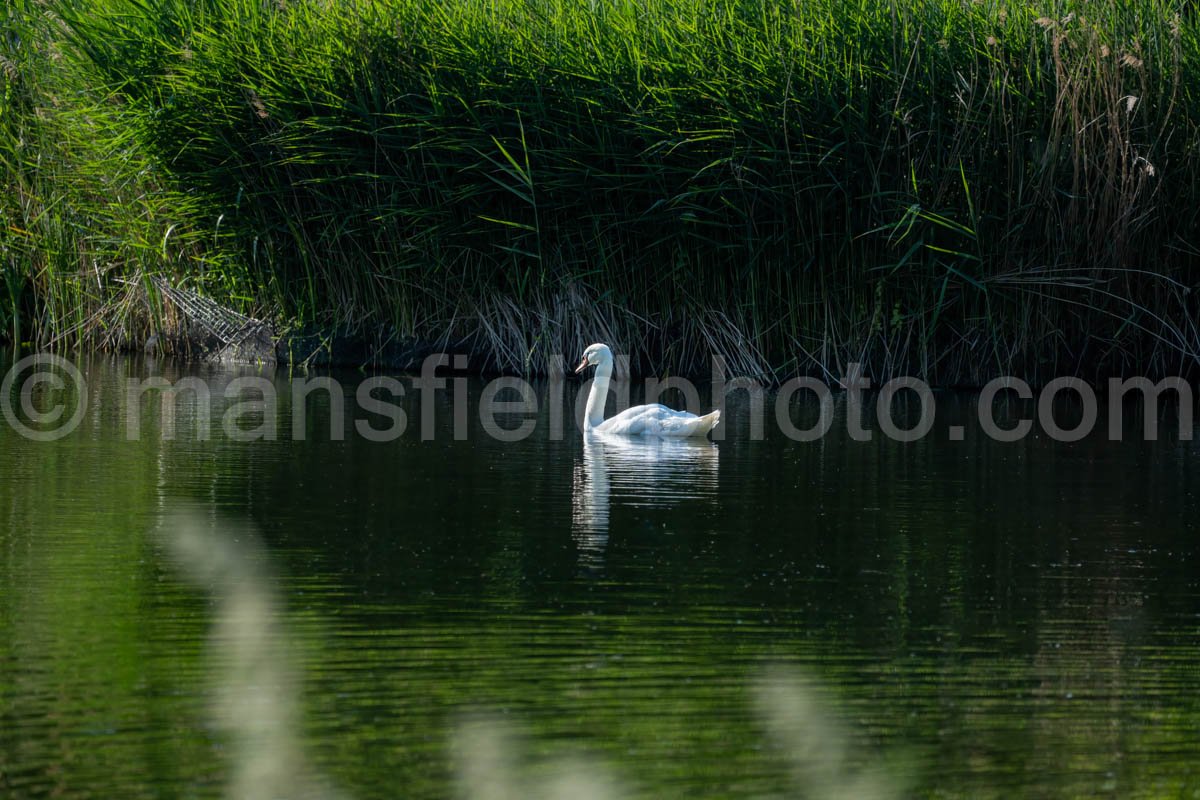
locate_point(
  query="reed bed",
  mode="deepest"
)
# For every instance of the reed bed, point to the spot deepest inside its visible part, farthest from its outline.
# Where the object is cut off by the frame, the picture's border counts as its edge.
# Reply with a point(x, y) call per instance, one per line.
point(947, 188)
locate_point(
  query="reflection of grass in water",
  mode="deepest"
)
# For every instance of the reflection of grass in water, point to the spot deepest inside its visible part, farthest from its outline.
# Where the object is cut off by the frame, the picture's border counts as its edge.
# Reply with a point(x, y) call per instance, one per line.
point(257, 691)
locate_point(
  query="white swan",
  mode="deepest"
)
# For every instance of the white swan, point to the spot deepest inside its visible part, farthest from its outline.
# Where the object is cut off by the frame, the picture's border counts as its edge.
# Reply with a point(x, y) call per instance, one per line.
point(649, 420)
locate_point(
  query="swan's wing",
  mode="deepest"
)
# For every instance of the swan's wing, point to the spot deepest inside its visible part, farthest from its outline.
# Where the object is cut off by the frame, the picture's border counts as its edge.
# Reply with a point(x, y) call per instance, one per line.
point(684, 424)
point(636, 421)
point(659, 420)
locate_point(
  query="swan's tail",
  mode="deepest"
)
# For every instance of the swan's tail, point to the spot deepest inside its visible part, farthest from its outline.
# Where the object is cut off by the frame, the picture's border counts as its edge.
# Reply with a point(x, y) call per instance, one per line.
point(702, 425)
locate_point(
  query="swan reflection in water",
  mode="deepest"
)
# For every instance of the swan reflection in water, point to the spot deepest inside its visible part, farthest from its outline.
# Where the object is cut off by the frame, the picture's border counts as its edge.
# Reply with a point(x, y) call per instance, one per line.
point(650, 472)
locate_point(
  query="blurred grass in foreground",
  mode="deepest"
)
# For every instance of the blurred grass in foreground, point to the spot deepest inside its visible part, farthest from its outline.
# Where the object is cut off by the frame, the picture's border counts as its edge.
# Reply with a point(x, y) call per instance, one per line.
point(257, 699)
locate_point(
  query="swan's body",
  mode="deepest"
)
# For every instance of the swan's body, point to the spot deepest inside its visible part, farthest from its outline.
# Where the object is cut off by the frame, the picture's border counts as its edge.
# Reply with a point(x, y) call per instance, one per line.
point(657, 420)
point(654, 419)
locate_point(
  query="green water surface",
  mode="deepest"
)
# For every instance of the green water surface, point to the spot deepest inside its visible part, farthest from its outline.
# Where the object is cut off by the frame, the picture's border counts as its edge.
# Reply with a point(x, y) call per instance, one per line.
point(992, 620)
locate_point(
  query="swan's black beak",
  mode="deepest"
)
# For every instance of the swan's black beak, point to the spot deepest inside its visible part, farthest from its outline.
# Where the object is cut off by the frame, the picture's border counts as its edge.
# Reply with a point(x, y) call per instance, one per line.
point(582, 366)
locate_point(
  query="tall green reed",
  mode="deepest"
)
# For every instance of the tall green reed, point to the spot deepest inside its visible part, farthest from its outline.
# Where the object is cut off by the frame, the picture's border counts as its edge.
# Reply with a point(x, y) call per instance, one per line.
point(953, 189)
point(87, 211)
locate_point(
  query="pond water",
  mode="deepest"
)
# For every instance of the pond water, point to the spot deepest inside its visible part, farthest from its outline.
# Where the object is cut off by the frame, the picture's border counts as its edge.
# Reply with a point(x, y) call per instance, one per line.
point(977, 618)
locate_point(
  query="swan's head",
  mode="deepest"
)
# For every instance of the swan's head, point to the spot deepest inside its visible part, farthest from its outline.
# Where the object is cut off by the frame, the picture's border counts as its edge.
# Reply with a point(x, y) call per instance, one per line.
point(595, 354)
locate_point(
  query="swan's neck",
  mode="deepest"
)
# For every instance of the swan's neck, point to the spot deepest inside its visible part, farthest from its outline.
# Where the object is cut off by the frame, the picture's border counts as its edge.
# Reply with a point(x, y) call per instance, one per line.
point(598, 396)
